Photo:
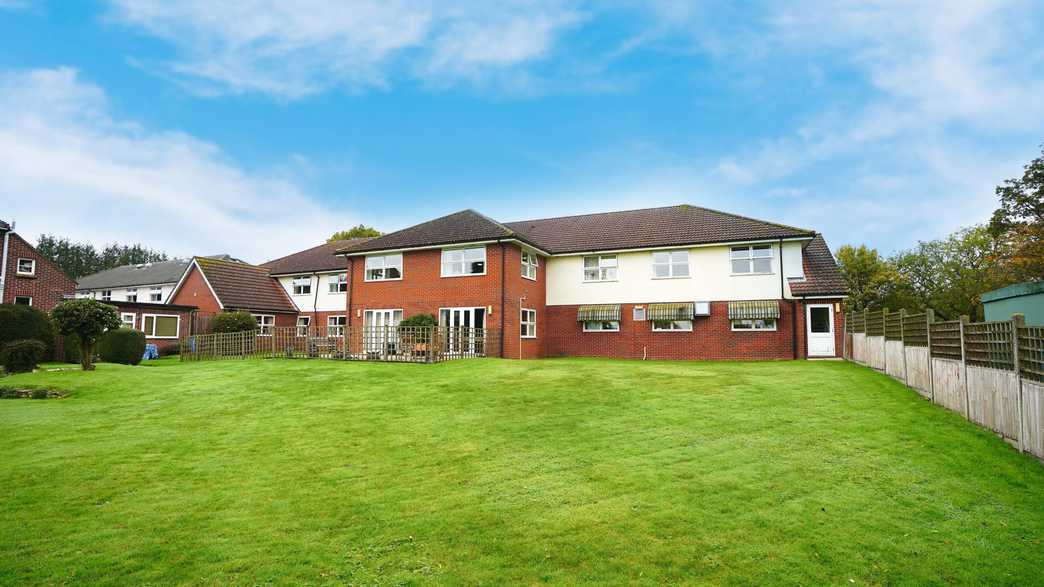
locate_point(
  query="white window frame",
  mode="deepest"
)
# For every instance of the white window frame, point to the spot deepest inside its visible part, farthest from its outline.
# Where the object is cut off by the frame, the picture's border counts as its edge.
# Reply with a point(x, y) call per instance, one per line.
point(529, 325)
point(616, 322)
point(371, 264)
point(133, 319)
point(671, 264)
point(156, 294)
point(32, 267)
point(262, 328)
point(337, 283)
point(601, 268)
point(132, 294)
point(750, 259)
point(301, 285)
point(332, 326)
point(464, 262)
point(106, 295)
point(177, 329)
point(754, 328)
point(656, 328)
point(30, 298)
point(530, 264)
point(307, 323)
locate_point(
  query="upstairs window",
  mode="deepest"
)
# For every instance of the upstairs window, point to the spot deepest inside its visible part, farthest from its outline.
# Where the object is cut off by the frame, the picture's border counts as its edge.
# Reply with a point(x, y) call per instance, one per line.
point(668, 264)
point(383, 267)
point(26, 267)
point(302, 285)
point(156, 294)
point(528, 321)
point(530, 263)
point(337, 283)
point(752, 259)
point(106, 295)
point(600, 268)
point(458, 262)
point(132, 295)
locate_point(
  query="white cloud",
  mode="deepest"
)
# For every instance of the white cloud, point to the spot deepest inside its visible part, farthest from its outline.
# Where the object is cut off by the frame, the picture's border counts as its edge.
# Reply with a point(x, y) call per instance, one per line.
point(73, 169)
point(293, 49)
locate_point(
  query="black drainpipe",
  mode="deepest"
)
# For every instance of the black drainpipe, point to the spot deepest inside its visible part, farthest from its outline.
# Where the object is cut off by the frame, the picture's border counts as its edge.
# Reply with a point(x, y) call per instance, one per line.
point(502, 299)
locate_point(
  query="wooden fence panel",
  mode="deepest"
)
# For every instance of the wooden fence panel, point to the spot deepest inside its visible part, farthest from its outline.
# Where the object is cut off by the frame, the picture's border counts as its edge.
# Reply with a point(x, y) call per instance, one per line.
point(893, 326)
point(856, 322)
point(1031, 353)
point(949, 386)
point(875, 322)
point(946, 340)
point(895, 359)
point(918, 369)
point(993, 399)
point(1033, 417)
point(989, 344)
point(859, 347)
point(915, 329)
point(875, 352)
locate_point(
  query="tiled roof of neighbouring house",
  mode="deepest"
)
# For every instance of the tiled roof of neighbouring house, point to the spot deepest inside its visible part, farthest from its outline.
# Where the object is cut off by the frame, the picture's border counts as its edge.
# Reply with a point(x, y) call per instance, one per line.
point(4, 225)
point(318, 258)
point(131, 275)
point(822, 275)
point(242, 286)
point(460, 227)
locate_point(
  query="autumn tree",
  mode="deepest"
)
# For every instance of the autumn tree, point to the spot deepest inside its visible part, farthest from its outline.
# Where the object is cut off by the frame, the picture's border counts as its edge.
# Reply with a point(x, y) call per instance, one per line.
point(1019, 222)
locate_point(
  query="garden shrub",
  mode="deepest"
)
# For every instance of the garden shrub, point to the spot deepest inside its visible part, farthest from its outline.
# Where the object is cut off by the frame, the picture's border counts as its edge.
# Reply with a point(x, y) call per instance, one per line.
point(122, 345)
point(171, 350)
point(88, 319)
point(233, 322)
point(420, 320)
point(71, 348)
point(22, 356)
point(414, 332)
point(23, 323)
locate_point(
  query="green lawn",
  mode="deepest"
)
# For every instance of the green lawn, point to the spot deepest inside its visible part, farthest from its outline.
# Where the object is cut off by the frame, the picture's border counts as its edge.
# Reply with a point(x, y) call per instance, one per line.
point(490, 471)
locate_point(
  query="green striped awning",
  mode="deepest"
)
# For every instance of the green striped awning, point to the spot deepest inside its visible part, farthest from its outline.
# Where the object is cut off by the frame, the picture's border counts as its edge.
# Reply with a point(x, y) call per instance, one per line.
point(681, 311)
point(753, 310)
point(598, 313)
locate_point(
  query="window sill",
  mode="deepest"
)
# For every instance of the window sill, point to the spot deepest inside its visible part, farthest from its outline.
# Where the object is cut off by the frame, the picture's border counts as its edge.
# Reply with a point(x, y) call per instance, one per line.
point(678, 277)
point(465, 275)
point(603, 281)
point(380, 280)
point(26, 275)
point(529, 278)
point(670, 331)
point(528, 337)
point(601, 331)
point(751, 274)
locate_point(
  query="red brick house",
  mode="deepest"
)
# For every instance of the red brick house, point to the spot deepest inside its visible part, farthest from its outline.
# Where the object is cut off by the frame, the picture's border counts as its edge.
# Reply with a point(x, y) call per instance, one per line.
point(27, 277)
point(678, 282)
point(218, 284)
point(163, 324)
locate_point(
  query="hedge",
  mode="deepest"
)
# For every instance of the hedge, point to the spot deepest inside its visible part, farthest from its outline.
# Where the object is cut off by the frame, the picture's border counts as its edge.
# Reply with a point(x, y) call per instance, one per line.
point(233, 322)
point(22, 356)
point(19, 322)
point(122, 345)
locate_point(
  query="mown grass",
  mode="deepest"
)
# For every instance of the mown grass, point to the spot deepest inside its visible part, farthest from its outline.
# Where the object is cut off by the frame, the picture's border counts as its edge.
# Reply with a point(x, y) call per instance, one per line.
point(490, 471)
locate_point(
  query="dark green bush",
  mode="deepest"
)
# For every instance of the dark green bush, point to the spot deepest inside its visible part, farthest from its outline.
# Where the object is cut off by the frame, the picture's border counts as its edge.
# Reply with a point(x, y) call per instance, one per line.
point(420, 320)
point(171, 350)
point(122, 345)
point(71, 348)
point(233, 322)
point(23, 323)
point(21, 356)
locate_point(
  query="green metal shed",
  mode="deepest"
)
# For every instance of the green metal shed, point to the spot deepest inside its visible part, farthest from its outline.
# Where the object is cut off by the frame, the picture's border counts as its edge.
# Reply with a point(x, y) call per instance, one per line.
point(1021, 298)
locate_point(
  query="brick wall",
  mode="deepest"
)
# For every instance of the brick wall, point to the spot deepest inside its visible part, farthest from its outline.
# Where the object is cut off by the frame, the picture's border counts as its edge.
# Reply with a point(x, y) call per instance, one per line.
point(48, 287)
point(194, 291)
point(710, 338)
point(535, 292)
point(184, 325)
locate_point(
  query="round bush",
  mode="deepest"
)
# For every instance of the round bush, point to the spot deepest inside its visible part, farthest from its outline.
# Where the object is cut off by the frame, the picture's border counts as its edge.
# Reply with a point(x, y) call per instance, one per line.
point(25, 322)
point(122, 345)
point(21, 356)
point(420, 320)
point(233, 322)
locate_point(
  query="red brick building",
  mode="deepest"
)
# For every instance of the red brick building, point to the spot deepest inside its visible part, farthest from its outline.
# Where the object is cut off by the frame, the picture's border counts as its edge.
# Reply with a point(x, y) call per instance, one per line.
point(27, 277)
point(215, 285)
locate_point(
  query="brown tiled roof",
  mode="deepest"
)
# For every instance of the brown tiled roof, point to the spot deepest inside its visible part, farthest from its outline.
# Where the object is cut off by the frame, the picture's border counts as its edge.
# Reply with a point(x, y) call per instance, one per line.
point(319, 258)
point(822, 276)
point(245, 287)
point(651, 227)
point(460, 227)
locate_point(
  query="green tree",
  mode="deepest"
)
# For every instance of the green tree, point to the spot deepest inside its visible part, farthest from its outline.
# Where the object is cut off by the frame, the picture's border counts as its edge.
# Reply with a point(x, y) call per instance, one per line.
point(1019, 221)
point(239, 321)
point(359, 231)
point(79, 259)
point(88, 319)
point(871, 279)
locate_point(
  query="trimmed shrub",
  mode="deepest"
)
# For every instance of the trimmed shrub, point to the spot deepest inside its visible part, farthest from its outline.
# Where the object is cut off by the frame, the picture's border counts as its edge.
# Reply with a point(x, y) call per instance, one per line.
point(233, 322)
point(122, 345)
point(22, 356)
point(88, 319)
point(25, 322)
point(420, 320)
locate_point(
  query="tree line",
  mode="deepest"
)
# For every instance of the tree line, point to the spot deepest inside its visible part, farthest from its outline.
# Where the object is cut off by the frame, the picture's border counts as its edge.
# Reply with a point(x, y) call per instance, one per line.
point(950, 274)
point(79, 259)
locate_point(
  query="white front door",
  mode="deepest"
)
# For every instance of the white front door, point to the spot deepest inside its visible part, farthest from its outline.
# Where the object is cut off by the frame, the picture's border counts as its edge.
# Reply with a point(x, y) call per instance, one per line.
point(379, 332)
point(819, 321)
point(460, 324)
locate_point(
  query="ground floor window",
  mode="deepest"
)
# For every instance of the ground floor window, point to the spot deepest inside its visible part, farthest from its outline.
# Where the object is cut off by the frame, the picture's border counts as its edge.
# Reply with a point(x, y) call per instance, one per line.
point(265, 323)
point(672, 325)
point(23, 300)
point(128, 319)
point(335, 325)
point(302, 325)
point(755, 324)
point(160, 326)
point(528, 321)
point(602, 326)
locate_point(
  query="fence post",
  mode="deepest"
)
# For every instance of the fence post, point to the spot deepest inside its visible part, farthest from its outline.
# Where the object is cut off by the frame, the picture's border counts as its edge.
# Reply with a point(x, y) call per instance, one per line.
point(1018, 321)
point(964, 365)
point(929, 318)
point(844, 336)
point(902, 343)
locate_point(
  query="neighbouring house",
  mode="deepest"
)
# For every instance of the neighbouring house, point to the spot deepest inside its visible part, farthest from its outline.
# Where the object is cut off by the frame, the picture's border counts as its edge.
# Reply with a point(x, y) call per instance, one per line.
point(163, 324)
point(225, 284)
point(1022, 298)
point(27, 277)
point(316, 280)
point(679, 282)
point(141, 283)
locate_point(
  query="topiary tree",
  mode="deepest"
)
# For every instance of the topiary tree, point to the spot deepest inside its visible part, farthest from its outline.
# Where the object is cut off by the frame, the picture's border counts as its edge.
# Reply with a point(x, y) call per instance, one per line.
point(122, 345)
point(21, 356)
point(24, 322)
point(88, 319)
point(233, 322)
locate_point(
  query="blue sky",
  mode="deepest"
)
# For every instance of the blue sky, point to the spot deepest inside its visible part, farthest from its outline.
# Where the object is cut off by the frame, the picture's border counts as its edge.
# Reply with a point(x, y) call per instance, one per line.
point(257, 128)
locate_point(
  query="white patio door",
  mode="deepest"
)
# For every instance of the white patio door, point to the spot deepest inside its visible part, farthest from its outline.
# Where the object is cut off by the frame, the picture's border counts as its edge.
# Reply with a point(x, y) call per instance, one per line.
point(819, 324)
point(379, 332)
point(460, 324)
